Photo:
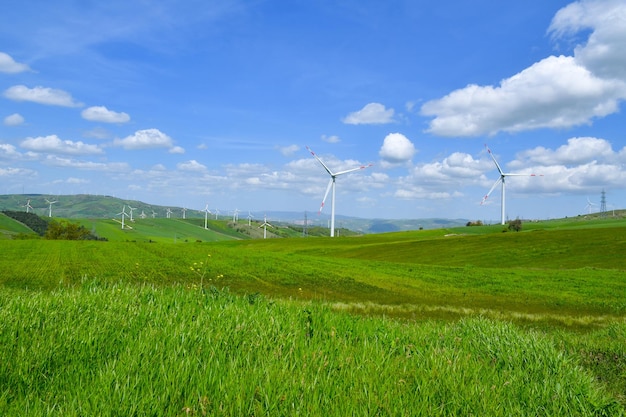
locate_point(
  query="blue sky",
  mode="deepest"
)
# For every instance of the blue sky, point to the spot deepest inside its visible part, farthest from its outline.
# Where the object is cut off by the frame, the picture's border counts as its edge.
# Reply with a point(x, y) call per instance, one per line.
point(194, 103)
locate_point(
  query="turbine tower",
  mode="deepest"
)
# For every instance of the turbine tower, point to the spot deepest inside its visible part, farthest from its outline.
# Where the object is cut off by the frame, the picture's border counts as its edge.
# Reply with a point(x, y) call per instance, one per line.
point(131, 212)
point(206, 216)
point(264, 226)
point(184, 213)
point(50, 203)
point(331, 184)
point(502, 180)
point(123, 214)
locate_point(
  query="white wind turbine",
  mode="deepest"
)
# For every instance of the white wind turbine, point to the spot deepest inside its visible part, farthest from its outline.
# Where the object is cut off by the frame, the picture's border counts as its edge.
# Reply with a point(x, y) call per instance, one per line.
point(589, 206)
point(331, 184)
point(28, 206)
point(123, 214)
point(206, 216)
point(131, 212)
point(249, 219)
point(217, 213)
point(153, 214)
point(184, 213)
point(168, 213)
point(264, 226)
point(143, 215)
point(502, 179)
point(50, 203)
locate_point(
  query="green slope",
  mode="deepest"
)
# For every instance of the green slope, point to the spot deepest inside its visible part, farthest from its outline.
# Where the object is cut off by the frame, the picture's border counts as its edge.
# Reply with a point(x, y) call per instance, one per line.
point(10, 227)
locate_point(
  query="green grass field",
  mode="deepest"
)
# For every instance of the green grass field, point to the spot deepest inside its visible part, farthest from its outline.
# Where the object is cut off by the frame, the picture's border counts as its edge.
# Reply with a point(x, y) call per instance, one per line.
point(457, 321)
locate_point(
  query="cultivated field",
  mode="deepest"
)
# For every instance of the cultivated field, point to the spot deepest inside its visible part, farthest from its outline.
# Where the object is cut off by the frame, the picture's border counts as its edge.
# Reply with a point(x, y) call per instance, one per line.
point(467, 321)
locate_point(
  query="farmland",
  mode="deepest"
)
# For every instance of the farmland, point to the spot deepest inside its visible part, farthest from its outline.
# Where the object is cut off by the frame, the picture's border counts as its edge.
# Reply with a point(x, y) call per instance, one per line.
point(432, 322)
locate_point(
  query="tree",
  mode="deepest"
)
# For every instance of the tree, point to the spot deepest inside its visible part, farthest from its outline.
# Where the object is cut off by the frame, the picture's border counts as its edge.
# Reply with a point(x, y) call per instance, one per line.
point(515, 225)
point(64, 230)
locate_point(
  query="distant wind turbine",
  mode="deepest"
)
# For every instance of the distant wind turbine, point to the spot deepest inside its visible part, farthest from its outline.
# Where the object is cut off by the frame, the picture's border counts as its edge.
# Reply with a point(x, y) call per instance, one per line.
point(589, 206)
point(168, 213)
point(123, 214)
point(50, 203)
point(249, 219)
point(264, 226)
point(184, 213)
point(206, 216)
point(28, 206)
point(331, 184)
point(131, 212)
point(502, 179)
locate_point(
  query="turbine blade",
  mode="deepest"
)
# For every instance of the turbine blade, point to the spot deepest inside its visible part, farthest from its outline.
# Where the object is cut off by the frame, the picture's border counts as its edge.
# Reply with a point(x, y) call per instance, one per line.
point(494, 160)
point(354, 169)
point(320, 161)
point(330, 184)
point(495, 184)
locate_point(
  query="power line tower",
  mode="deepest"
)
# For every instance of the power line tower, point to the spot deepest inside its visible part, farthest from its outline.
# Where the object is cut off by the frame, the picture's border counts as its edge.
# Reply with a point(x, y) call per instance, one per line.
point(305, 231)
point(603, 204)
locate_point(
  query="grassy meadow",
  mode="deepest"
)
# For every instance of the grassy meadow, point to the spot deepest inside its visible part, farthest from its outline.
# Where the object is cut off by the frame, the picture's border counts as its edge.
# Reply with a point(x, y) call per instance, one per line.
point(462, 321)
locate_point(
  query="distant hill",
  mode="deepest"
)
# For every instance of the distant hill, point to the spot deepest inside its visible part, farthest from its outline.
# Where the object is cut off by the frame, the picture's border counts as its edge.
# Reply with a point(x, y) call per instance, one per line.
point(88, 206)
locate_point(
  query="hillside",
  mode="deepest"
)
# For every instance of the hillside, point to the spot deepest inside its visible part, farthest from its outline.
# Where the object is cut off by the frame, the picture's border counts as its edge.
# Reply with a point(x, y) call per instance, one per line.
point(84, 206)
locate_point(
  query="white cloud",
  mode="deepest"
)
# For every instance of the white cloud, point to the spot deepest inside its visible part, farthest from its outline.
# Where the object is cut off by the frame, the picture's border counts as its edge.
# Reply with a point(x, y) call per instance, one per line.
point(114, 167)
point(102, 114)
point(146, 139)
point(9, 66)
point(289, 150)
point(8, 151)
point(193, 166)
point(177, 150)
point(16, 172)
point(41, 95)
point(397, 148)
point(331, 139)
point(52, 144)
point(14, 119)
point(372, 113)
point(603, 52)
point(556, 92)
point(577, 151)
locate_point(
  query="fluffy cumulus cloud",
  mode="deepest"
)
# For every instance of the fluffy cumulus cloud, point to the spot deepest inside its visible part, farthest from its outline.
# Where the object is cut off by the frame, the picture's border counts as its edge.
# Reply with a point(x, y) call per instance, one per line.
point(14, 119)
point(396, 149)
point(603, 54)
point(104, 115)
point(371, 114)
point(577, 151)
point(9, 66)
point(289, 150)
point(146, 139)
point(192, 166)
point(54, 145)
point(556, 92)
point(41, 95)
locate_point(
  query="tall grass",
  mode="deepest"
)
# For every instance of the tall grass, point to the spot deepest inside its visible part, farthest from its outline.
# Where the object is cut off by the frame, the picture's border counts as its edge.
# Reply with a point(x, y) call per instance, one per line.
point(130, 350)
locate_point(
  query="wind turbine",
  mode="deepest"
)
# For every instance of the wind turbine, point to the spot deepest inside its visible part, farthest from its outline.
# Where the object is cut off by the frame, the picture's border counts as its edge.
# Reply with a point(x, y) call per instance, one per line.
point(50, 203)
point(123, 214)
point(168, 213)
point(28, 206)
point(249, 219)
point(589, 206)
point(131, 212)
point(184, 213)
point(142, 215)
point(206, 216)
point(264, 226)
point(331, 183)
point(217, 212)
point(501, 179)
point(153, 214)
point(235, 215)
